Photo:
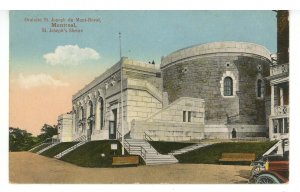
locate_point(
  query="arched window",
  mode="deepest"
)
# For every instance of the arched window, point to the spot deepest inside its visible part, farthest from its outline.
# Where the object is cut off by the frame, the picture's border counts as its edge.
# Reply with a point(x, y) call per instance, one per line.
point(101, 112)
point(82, 112)
point(259, 88)
point(228, 86)
point(91, 108)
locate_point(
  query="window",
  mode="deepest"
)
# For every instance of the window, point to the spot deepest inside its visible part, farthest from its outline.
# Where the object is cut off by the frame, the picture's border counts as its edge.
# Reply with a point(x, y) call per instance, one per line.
point(82, 112)
point(189, 116)
point(281, 125)
point(228, 87)
point(91, 108)
point(259, 88)
point(101, 113)
point(184, 116)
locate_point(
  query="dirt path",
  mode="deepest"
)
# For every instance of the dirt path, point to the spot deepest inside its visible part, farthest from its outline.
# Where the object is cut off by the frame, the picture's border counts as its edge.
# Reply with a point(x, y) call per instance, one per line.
point(26, 167)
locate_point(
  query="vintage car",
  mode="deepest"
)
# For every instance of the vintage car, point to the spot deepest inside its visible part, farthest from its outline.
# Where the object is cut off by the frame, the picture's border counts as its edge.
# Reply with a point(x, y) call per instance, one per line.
point(272, 168)
point(274, 172)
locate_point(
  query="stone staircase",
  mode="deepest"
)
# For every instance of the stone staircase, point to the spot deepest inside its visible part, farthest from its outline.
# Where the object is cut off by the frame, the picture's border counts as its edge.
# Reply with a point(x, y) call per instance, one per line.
point(37, 147)
point(60, 155)
point(81, 138)
point(50, 146)
point(189, 148)
point(147, 152)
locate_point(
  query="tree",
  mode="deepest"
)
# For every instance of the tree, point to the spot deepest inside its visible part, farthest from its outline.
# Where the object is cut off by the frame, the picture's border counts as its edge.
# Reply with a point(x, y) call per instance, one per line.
point(47, 131)
point(20, 140)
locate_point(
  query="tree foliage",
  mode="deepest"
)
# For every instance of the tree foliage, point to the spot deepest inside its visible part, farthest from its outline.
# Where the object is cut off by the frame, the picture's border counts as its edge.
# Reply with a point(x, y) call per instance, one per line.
point(47, 132)
point(20, 140)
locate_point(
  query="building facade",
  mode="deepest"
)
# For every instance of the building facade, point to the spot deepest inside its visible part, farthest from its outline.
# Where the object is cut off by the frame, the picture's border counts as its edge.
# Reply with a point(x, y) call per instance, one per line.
point(229, 76)
point(279, 81)
point(214, 90)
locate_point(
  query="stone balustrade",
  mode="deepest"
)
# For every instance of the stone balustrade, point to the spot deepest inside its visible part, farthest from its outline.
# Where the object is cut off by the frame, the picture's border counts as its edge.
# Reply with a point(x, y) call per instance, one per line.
point(278, 69)
point(281, 110)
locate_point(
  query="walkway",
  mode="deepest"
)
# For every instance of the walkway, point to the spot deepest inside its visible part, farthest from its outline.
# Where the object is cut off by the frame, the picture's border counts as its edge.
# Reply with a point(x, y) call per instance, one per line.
point(26, 167)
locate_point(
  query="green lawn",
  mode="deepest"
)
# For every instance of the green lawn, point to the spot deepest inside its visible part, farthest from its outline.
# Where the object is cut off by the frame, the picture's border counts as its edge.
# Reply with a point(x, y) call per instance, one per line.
point(93, 154)
point(211, 154)
point(58, 149)
point(165, 147)
point(40, 147)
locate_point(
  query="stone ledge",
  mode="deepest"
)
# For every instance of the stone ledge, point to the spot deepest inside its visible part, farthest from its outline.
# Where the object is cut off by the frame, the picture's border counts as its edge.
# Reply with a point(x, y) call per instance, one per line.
point(216, 47)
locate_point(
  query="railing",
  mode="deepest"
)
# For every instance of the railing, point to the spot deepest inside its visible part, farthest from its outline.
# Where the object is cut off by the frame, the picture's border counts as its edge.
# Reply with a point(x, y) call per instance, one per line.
point(128, 147)
point(281, 110)
point(143, 153)
point(147, 137)
point(278, 69)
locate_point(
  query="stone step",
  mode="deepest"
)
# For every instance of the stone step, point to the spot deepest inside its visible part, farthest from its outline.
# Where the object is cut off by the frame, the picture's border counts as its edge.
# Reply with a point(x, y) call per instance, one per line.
point(188, 148)
point(60, 155)
point(160, 163)
point(45, 149)
point(152, 156)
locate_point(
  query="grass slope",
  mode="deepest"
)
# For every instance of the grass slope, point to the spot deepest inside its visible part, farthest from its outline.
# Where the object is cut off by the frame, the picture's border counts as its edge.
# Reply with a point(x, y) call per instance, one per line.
point(89, 154)
point(164, 147)
point(58, 149)
point(211, 154)
point(40, 147)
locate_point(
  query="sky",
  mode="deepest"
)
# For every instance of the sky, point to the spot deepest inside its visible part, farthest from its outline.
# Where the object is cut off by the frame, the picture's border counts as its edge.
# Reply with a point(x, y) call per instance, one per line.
point(47, 68)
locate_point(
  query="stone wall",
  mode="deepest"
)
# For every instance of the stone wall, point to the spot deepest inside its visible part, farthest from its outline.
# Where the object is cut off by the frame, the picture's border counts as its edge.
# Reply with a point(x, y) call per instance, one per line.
point(242, 131)
point(201, 76)
point(142, 96)
point(167, 124)
point(65, 132)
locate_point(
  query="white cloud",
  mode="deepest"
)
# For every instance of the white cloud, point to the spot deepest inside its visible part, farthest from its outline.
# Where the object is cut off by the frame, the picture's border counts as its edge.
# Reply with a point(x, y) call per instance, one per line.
point(71, 55)
point(41, 79)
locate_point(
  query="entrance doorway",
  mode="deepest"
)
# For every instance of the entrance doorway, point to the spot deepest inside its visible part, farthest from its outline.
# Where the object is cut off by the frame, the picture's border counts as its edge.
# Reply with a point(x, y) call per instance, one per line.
point(113, 125)
point(233, 133)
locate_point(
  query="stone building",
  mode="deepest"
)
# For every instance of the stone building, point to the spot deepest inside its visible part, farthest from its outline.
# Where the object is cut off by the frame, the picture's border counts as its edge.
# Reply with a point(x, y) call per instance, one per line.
point(279, 81)
point(214, 90)
point(97, 108)
point(229, 77)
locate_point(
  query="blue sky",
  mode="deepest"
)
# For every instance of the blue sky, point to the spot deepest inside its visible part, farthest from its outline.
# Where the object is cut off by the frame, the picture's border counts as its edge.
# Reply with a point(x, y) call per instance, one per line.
point(146, 35)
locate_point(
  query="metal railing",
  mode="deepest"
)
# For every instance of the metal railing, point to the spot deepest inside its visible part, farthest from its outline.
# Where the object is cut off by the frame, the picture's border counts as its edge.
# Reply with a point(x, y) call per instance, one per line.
point(147, 137)
point(130, 148)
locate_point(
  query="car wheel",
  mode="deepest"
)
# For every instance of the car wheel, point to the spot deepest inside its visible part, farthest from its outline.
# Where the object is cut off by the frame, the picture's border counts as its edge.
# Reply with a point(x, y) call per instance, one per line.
point(266, 179)
point(255, 170)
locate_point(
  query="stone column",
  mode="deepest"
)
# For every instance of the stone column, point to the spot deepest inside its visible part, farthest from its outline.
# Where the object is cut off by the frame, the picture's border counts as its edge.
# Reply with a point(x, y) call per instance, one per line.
point(281, 96)
point(271, 129)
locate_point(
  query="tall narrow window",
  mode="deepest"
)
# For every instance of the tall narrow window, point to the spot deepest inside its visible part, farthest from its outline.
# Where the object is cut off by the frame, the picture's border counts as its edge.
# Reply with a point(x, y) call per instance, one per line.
point(189, 116)
point(82, 112)
point(101, 113)
point(91, 108)
point(259, 87)
point(184, 116)
point(228, 87)
point(82, 118)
